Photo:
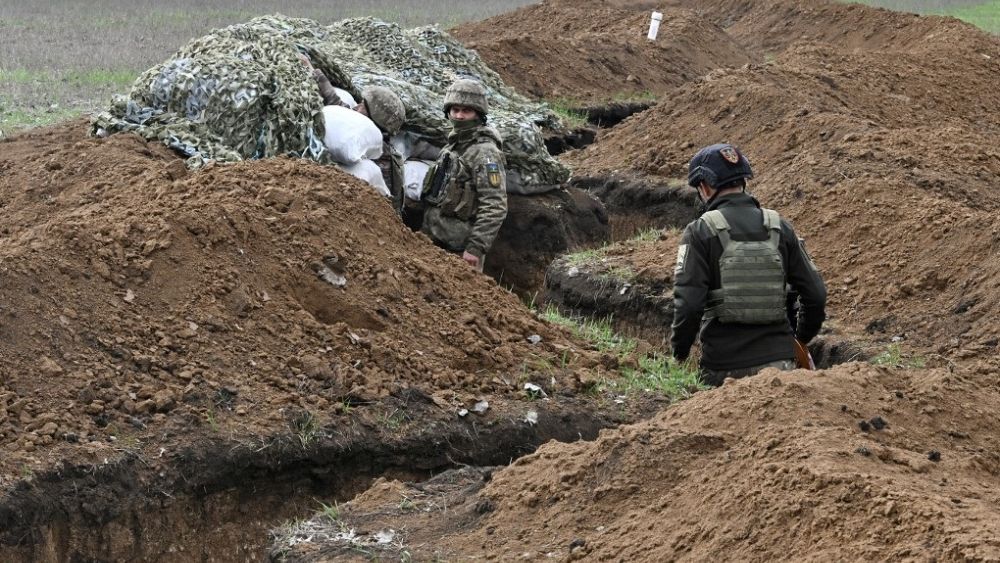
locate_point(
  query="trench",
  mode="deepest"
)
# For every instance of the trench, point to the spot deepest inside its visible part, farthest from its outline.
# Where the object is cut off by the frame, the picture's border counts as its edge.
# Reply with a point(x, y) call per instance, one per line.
point(216, 499)
point(598, 116)
point(639, 304)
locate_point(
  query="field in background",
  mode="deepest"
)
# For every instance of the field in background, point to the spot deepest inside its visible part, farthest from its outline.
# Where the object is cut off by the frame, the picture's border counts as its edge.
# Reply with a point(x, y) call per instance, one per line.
point(985, 15)
point(61, 58)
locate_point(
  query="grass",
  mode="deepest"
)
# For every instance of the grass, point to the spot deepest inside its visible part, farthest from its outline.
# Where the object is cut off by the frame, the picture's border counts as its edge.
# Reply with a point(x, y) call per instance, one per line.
point(306, 427)
point(652, 373)
point(330, 511)
point(894, 357)
point(985, 15)
point(62, 58)
point(565, 109)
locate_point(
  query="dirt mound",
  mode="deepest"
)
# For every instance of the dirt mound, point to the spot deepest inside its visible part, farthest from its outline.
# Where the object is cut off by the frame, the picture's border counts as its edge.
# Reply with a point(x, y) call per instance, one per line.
point(853, 463)
point(882, 164)
point(588, 52)
point(767, 27)
point(136, 294)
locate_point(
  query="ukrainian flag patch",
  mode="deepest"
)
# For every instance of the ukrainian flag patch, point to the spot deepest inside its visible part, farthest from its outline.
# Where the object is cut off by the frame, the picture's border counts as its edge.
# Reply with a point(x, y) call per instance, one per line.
point(493, 174)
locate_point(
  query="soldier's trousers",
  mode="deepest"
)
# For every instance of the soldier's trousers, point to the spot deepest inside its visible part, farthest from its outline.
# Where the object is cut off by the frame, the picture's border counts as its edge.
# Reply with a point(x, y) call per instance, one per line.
point(716, 377)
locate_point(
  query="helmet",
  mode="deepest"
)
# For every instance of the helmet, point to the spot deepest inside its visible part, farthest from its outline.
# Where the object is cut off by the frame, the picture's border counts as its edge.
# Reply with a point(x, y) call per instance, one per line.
point(384, 108)
point(469, 93)
point(718, 165)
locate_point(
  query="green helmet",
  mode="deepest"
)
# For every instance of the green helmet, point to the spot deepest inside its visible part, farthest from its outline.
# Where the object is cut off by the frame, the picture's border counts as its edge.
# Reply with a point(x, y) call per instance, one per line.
point(384, 108)
point(469, 93)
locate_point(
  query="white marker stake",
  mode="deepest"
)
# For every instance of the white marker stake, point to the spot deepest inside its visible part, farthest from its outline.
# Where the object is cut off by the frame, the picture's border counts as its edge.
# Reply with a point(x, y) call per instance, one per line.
point(654, 26)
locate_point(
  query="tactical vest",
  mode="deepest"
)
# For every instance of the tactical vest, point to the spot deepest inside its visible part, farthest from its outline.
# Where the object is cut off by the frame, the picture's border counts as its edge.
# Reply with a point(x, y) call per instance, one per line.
point(752, 275)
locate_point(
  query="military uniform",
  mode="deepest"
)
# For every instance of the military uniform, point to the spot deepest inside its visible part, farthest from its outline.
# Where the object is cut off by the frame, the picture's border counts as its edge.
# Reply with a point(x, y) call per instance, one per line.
point(465, 191)
point(752, 331)
point(387, 112)
point(465, 194)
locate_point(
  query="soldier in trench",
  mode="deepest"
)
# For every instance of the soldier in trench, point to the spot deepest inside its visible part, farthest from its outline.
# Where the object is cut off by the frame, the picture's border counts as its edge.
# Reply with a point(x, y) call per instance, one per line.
point(465, 191)
point(387, 111)
point(734, 267)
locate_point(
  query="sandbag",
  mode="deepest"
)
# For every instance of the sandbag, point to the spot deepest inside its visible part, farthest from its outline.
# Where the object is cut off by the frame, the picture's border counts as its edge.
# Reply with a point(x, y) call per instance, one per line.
point(345, 97)
point(350, 136)
point(369, 172)
point(414, 172)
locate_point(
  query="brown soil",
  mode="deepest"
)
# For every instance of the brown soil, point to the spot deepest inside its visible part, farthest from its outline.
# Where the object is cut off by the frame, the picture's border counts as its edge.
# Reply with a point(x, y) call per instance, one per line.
point(856, 463)
point(148, 312)
point(585, 51)
point(883, 165)
point(166, 340)
point(876, 134)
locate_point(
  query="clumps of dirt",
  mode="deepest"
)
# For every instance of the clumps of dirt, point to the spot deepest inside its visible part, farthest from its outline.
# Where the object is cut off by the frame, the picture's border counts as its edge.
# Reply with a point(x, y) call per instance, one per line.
point(135, 294)
point(769, 467)
point(588, 52)
point(882, 165)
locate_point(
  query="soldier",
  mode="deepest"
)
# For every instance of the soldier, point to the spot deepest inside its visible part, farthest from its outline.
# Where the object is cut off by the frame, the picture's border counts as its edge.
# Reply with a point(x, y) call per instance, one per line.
point(386, 110)
point(465, 191)
point(734, 266)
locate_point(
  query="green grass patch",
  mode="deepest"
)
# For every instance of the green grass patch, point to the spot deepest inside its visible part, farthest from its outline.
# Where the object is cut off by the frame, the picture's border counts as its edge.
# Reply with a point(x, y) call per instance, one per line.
point(98, 77)
point(653, 373)
point(893, 356)
point(585, 256)
point(565, 108)
point(649, 235)
point(657, 374)
point(984, 16)
point(12, 120)
point(597, 331)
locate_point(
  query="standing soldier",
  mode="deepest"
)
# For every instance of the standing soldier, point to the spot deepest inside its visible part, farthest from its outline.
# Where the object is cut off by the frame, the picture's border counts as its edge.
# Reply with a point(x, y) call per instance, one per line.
point(734, 265)
point(465, 190)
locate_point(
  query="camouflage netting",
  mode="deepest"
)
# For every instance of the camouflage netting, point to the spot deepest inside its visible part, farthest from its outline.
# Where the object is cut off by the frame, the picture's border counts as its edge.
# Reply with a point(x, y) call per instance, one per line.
point(242, 93)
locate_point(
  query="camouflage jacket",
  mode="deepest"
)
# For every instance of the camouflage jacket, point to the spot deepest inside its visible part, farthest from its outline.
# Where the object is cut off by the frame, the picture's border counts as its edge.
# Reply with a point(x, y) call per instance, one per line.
point(466, 193)
point(391, 164)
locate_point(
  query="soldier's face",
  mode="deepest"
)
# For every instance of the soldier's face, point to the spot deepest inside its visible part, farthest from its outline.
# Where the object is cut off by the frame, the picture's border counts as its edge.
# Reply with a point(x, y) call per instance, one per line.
point(461, 113)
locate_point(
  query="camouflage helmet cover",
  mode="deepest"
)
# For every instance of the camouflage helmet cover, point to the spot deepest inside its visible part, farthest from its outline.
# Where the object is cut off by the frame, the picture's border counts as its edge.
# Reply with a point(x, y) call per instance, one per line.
point(469, 93)
point(384, 108)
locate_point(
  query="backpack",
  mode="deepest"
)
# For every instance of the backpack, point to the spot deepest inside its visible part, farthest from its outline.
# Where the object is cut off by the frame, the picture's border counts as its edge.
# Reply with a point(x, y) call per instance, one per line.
point(752, 275)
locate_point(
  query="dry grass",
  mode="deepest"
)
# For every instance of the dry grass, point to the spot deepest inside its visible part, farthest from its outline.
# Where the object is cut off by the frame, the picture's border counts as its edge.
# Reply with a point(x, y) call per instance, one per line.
point(59, 58)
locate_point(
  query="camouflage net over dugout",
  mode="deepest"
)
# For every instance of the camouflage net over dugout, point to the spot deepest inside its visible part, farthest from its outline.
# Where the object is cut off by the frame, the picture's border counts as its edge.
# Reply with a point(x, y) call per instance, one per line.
point(242, 93)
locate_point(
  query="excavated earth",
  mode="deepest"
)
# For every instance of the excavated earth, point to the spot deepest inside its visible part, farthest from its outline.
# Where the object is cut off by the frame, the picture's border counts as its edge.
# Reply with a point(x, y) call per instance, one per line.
point(875, 133)
point(236, 342)
point(192, 359)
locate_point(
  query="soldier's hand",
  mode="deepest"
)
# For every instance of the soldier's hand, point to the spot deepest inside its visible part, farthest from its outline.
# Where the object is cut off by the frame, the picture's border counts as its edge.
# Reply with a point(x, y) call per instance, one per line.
point(470, 259)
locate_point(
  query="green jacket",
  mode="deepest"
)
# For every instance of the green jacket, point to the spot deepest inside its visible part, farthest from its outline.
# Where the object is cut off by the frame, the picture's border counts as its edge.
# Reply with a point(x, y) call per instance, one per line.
point(465, 192)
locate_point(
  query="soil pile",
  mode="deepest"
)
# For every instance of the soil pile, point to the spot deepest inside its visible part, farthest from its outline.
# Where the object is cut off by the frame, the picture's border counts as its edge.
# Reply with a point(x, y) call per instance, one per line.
point(884, 166)
point(854, 463)
point(588, 52)
point(138, 296)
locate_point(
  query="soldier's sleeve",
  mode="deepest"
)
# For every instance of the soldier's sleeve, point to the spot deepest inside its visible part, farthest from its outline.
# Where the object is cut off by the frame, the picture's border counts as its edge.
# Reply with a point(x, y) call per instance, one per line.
point(691, 280)
point(326, 91)
point(491, 204)
point(804, 277)
point(397, 189)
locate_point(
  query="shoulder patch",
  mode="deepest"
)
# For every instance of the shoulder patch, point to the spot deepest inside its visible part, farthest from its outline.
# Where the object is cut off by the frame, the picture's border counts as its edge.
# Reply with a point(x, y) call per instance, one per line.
point(682, 252)
point(493, 173)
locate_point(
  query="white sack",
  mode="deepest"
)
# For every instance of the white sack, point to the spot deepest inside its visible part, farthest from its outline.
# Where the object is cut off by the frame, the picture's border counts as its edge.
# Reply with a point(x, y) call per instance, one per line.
point(369, 172)
point(345, 97)
point(414, 172)
point(350, 136)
